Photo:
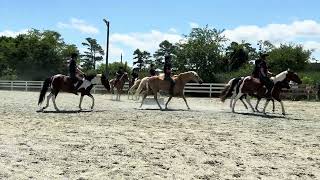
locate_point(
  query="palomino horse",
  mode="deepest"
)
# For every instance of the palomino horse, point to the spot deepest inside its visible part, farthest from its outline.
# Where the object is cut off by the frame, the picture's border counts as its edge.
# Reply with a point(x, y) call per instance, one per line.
point(119, 85)
point(252, 86)
point(156, 83)
point(133, 88)
point(63, 83)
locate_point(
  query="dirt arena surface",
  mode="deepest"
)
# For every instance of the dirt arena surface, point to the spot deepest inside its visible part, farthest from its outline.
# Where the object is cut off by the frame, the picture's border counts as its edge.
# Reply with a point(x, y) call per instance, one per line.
point(119, 141)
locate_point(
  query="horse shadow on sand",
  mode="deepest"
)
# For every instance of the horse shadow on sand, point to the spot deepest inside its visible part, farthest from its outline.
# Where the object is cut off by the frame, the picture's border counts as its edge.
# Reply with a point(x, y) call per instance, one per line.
point(70, 111)
point(269, 116)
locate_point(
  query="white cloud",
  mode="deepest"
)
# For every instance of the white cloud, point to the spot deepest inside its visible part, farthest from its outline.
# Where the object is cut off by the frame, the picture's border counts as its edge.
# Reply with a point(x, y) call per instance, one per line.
point(79, 25)
point(275, 32)
point(173, 30)
point(10, 33)
point(193, 25)
point(148, 41)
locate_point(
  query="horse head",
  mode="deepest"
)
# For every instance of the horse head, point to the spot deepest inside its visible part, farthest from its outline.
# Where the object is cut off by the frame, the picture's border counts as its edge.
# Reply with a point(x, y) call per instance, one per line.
point(195, 77)
point(292, 76)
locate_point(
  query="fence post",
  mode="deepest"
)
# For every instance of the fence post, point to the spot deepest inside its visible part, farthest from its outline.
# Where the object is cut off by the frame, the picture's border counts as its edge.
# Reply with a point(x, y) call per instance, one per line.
point(11, 85)
point(210, 95)
point(94, 89)
point(26, 86)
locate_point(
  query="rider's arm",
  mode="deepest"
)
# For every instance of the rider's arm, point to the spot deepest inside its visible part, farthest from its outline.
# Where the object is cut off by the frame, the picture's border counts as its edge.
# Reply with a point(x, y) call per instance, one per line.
point(79, 71)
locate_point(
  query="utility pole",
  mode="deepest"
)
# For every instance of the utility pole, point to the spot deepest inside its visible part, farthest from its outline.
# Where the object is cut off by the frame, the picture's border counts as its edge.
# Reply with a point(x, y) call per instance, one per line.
point(107, 48)
point(121, 58)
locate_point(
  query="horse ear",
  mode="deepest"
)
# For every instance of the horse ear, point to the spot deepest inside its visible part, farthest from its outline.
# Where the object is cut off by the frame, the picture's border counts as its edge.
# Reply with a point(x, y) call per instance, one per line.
point(289, 69)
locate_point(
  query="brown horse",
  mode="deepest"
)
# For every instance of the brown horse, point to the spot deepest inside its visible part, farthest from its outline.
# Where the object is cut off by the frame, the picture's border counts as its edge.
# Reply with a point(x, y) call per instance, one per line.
point(119, 85)
point(156, 83)
point(62, 83)
point(253, 87)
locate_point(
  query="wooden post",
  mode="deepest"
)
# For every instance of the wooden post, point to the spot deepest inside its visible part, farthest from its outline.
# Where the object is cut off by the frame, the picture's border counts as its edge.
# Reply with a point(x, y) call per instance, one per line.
point(26, 86)
point(11, 85)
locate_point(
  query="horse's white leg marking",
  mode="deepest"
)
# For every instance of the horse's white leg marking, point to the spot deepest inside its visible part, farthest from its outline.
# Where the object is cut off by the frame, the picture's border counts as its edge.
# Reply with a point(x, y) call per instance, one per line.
point(232, 99)
point(48, 99)
point(235, 100)
point(282, 106)
point(80, 102)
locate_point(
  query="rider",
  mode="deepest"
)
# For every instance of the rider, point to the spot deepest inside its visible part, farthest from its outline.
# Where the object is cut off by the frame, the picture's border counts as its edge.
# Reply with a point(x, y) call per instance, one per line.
point(152, 71)
point(167, 73)
point(74, 73)
point(134, 75)
point(261, 71)
point(119, 74)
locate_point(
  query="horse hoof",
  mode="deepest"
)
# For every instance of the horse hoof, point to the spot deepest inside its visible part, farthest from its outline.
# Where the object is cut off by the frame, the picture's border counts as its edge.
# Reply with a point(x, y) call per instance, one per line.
point(284, 114)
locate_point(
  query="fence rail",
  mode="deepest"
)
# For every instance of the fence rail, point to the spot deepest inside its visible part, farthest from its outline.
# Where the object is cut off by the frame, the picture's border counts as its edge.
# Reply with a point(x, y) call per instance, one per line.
point(211, 89)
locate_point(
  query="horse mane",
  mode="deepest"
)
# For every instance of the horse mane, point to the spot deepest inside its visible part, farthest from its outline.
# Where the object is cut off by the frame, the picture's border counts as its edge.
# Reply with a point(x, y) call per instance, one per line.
point(280, 77)
point(188, 72)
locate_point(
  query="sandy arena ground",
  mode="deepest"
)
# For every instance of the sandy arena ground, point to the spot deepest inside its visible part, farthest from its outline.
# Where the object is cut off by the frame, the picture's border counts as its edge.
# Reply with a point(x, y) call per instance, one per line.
point(119, 141)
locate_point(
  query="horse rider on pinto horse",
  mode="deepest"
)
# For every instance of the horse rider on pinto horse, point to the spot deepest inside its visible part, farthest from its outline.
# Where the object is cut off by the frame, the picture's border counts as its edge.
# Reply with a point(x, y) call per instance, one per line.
point(261, 72)
point(119, 74)
point(75, 73)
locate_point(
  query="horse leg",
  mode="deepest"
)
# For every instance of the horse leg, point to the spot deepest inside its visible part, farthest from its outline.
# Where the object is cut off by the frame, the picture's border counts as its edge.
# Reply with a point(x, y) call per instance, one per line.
point(156, 98)
point(92, 105)
point(81, 98)
point(265, 106)
point(185, 100)
point(241, 99)
point(232, 99)
point(143, 98)
point(282, 107)
point(248, 101)
point(273, 107)
point(258, 101)
point(166, 107)
point(48, 100)
point(235, 100)
point(54, 101)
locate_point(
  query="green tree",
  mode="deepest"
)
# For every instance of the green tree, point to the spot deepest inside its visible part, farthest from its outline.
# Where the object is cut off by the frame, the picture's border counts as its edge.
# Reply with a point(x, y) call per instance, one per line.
point(141, 58)
point(239, 54)
point(93, 54)
point(202, 52)
point(165, 48)
point(288, 56)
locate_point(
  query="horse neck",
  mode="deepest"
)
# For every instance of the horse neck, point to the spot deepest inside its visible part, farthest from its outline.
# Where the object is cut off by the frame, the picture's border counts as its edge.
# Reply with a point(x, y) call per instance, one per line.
point(184, 78)
point(280, 77)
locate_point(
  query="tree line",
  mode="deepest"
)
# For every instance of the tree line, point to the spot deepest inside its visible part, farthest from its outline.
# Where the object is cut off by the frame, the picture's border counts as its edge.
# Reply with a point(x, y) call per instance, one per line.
point(39, 54)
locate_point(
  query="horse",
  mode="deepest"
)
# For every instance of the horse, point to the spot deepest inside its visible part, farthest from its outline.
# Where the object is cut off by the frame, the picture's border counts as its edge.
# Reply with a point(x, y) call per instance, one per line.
point(133, 88)
point(119, 85)
point(156, 83)
point(230, 91)
point(252, 86)
point(62, 83)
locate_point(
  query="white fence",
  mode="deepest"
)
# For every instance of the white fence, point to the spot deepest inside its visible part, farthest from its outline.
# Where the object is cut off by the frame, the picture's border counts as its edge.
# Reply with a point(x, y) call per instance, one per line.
point(210, 89)
point(205, 88)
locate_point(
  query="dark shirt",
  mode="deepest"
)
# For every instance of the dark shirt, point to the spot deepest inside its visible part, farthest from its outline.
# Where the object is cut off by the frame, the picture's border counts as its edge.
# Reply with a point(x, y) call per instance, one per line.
point(263, 68)
point(134, 75)
point(72, 67)
point(152, 72)
point(120, 72)
point(167, 68)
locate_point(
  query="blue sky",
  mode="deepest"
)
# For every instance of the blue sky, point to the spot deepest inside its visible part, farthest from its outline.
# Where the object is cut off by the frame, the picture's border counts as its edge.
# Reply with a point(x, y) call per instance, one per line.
point(143, 24)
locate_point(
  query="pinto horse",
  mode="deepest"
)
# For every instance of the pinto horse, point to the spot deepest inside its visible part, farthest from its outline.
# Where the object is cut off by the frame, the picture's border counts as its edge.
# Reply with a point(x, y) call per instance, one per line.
point(119, 85)
point(156, 83)
point(252, 87)
point(62, 83)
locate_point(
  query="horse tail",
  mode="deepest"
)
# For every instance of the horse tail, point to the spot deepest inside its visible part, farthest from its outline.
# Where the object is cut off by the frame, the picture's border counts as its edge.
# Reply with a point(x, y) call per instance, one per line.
point(105, 82)
point(141, 86)
point(227, 91)
point(44, 89)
